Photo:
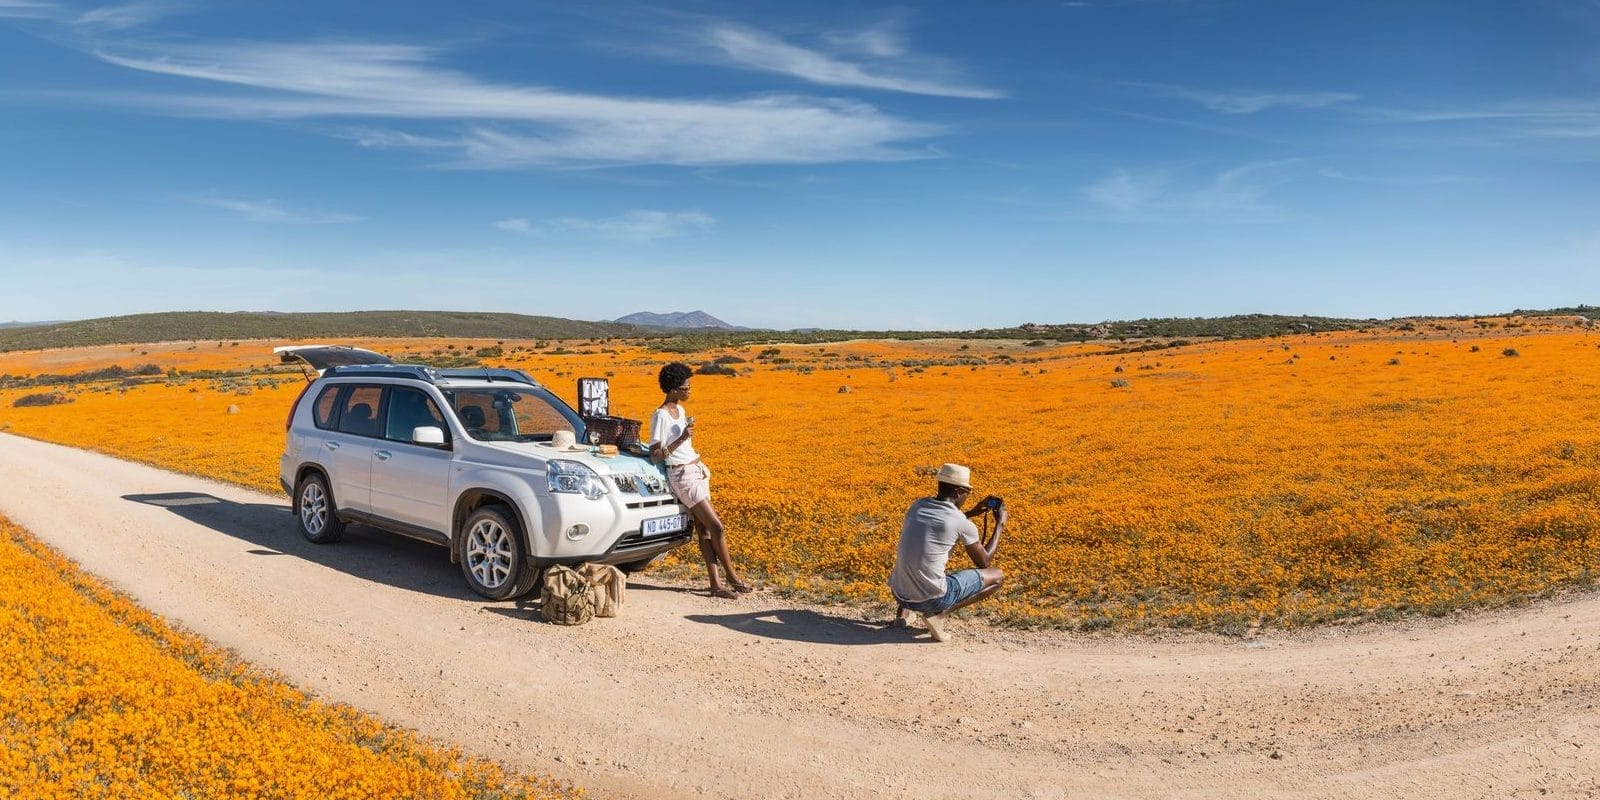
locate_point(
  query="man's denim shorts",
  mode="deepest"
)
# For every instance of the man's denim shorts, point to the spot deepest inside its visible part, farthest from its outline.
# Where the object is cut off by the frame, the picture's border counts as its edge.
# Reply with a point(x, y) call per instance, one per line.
point(958, 586)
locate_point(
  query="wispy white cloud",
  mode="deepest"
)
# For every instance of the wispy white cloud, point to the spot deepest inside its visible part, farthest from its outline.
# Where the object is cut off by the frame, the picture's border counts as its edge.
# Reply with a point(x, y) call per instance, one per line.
point(642, 225)
point(1546, 119)
point(127, 15)
point(1395, 180)
point(514, 225)
point(1125, 191)
point(511, 126)
point(887, 39)
point(28, 9)
point(272, 211)
point(1233, 195)
point(1249, 102)
point(1556, 111)
point(883, 61)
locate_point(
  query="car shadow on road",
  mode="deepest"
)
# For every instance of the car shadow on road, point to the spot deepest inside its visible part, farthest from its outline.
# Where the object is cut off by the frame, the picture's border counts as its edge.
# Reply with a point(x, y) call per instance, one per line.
point(365, 552)
point(799, 625)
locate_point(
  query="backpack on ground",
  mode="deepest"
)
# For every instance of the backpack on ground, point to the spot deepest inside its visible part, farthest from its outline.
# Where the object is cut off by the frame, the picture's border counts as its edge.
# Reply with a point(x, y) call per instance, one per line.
point(609, 587)
point(566, 597)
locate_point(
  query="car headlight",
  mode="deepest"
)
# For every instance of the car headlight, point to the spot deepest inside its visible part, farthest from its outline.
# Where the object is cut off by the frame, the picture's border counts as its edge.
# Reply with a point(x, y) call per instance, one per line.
point(570, 477)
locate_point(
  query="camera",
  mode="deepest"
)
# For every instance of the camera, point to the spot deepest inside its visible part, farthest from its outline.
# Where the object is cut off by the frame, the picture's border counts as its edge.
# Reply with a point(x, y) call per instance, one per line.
point(993, 503)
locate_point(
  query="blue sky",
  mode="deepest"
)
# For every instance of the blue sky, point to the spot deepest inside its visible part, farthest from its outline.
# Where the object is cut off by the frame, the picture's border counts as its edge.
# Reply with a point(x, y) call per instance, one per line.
point(935, 166)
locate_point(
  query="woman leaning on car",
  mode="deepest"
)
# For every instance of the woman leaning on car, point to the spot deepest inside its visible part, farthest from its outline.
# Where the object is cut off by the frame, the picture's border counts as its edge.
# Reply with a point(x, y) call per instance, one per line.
point(670, 432)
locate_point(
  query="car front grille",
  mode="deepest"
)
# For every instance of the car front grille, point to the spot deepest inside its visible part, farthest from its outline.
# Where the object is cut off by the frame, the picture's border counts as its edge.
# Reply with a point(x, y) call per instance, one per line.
point(660, 501)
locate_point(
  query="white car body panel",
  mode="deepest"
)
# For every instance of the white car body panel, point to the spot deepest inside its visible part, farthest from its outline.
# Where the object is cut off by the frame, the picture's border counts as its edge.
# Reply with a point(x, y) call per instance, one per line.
point(421, 490)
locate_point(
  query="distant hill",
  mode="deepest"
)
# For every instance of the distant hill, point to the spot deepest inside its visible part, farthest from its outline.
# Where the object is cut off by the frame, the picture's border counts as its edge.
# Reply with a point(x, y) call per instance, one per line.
point(182, 325)
point(27, 324)
point(682, 332)
point(693, 320)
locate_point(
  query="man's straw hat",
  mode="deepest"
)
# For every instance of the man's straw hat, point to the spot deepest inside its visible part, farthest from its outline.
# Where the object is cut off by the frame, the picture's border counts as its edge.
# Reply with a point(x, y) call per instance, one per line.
point(566, 441)
point(955, 475)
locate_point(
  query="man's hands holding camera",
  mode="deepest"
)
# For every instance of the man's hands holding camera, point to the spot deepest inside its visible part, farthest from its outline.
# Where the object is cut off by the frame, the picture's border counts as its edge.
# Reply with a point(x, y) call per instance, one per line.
point(993, 503)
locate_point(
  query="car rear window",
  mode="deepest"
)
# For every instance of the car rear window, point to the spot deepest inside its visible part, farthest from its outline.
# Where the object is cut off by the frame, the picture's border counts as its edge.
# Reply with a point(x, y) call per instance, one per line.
point(322, 412)
point(360, 410)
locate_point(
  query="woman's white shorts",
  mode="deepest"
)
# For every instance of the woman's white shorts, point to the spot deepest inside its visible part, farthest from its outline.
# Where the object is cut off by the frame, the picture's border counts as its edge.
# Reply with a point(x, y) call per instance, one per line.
point(690, 483)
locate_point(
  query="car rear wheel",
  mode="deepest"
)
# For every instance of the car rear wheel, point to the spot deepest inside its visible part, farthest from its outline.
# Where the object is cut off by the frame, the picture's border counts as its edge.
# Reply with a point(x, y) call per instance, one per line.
point(313, 507)
point(493, 557)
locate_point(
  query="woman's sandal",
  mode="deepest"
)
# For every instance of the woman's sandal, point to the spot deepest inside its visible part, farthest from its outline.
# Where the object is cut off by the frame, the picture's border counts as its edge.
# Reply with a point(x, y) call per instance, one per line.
point(741, 588)
point(724, 593)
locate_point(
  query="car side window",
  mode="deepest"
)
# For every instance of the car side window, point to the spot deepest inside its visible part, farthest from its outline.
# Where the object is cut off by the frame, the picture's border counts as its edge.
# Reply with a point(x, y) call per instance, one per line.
point(359, 410)
point(322, 412)
point(409, 409)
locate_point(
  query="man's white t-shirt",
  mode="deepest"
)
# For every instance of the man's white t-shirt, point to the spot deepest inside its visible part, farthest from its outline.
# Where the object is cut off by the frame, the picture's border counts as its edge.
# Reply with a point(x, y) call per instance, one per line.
point(664, 430)
point(930, 529)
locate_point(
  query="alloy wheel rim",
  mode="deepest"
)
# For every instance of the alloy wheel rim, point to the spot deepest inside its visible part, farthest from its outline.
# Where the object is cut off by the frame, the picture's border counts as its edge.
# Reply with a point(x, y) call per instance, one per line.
point(313, 508)
point(489, 554)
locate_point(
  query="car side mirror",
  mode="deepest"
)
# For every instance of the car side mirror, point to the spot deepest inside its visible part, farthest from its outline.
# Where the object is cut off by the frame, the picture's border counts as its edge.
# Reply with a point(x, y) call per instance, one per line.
point(427, 435)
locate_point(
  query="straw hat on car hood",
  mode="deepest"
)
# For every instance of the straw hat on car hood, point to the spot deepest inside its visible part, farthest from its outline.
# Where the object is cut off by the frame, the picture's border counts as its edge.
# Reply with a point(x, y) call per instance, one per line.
point(566, 441)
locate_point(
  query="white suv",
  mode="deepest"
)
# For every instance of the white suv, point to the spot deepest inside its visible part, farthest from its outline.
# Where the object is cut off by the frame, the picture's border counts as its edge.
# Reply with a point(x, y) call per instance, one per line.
point(466, 458)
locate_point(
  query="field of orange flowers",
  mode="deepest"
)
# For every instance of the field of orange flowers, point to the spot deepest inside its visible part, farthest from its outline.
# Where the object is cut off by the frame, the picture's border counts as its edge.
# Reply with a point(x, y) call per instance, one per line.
point(101, 699)
point(1407, 468)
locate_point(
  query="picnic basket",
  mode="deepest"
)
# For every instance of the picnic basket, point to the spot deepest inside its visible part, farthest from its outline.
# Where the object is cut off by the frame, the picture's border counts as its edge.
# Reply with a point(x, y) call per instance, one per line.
point(620, 431)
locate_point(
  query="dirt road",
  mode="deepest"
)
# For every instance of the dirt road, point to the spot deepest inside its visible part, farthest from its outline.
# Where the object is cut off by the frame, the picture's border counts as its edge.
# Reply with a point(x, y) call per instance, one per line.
point(688, 697)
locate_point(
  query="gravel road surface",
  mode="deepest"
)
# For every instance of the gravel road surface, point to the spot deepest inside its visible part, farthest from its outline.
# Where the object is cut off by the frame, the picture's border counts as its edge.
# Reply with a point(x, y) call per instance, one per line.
point(685, 696)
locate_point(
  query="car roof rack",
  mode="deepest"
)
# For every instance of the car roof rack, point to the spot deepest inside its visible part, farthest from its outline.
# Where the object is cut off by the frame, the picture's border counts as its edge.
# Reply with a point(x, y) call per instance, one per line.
point(429, 374)
point(380, 371)
point(487, 374)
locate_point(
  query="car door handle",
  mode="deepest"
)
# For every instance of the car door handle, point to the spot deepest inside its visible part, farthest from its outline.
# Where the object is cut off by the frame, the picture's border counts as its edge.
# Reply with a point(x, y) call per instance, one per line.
point(332, 445)
point(383, 455)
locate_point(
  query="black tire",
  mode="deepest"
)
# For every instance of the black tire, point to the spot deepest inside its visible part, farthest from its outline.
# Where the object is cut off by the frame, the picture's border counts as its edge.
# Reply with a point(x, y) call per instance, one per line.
point(494, 556)
point(315, 511)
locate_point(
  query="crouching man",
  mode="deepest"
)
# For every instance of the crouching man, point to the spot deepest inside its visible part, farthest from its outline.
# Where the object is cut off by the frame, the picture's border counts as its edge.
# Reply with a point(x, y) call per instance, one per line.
point(931, 528)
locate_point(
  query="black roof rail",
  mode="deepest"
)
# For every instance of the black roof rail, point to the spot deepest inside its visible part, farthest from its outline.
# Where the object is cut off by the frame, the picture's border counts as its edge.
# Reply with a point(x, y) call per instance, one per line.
point(418, 372)
point(429, 374)
point(487, 374)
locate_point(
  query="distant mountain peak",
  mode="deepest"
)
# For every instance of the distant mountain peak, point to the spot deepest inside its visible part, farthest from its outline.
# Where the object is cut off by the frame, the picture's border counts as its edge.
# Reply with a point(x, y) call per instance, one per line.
point(675, 319)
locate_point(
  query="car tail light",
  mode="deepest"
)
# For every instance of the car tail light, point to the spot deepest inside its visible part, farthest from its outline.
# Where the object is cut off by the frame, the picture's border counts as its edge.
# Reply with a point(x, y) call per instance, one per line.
point(296, 406)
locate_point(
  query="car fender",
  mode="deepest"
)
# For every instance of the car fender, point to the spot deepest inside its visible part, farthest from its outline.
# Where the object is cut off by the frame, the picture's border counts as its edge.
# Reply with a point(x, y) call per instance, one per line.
point(300, 472)
point(473, 487)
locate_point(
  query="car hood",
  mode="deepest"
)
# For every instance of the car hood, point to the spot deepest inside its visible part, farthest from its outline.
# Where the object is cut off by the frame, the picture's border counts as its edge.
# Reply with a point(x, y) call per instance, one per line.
point(620, 464)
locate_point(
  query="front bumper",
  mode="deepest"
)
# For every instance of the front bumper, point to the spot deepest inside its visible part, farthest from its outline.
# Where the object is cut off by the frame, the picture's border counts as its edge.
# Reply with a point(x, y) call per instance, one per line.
point(630, 549)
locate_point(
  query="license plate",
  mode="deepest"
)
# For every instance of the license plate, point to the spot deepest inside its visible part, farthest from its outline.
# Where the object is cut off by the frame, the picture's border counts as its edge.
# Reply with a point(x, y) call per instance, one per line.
point(660, 525)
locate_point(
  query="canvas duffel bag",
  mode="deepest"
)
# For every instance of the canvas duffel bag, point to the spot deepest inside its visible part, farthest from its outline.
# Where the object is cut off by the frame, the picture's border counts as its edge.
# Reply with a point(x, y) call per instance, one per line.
point(566, 597)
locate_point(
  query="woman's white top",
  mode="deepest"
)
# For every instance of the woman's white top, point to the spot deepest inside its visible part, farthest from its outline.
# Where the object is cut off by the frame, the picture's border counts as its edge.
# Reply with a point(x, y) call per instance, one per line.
point(664, 430)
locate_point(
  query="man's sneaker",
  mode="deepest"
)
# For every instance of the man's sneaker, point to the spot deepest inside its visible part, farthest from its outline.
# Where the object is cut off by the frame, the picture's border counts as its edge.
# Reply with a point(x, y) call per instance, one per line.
point(935, 623)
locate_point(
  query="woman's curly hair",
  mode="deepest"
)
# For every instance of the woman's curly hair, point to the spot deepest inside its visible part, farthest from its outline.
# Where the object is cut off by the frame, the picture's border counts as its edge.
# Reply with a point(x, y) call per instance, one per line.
point(674, 375)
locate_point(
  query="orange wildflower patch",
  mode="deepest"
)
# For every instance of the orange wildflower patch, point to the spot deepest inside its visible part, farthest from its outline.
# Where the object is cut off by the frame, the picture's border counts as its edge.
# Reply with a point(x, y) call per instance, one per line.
point(1288, 480)
point(99, 698)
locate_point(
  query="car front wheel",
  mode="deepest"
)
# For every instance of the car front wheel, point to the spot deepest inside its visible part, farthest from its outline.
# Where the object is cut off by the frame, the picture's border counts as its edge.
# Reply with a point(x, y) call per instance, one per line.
point(313, 507)
point(493, 556)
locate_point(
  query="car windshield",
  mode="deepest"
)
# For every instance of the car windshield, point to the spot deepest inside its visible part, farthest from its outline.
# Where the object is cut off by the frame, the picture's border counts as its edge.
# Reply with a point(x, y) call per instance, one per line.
point(524, 414)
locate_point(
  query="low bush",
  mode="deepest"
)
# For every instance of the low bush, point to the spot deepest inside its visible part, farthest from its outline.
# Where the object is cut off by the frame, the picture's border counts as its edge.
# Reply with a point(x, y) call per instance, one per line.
point(41, 399)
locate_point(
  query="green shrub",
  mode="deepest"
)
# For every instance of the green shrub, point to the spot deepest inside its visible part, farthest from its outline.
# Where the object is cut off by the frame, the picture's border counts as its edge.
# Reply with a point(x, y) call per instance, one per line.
point(41, 399)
